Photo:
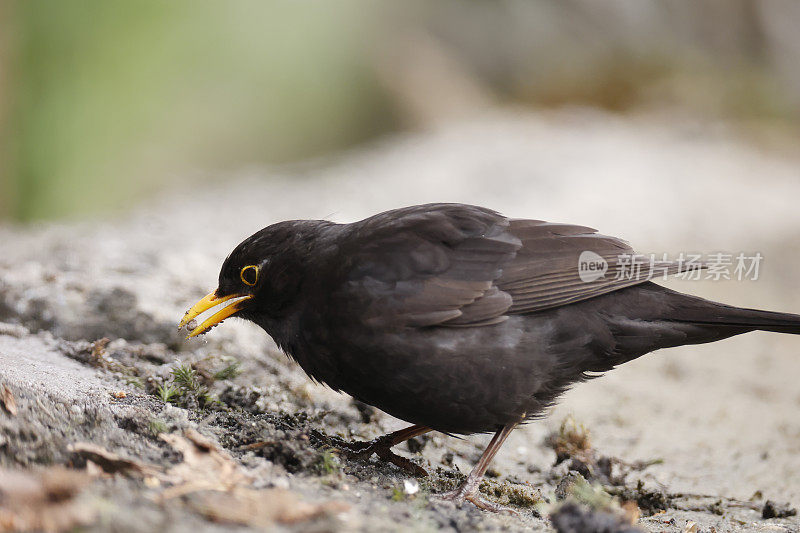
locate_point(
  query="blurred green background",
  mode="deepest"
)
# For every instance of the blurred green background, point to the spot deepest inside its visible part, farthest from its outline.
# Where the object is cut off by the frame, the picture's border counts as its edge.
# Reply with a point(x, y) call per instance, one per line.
point(103, 103)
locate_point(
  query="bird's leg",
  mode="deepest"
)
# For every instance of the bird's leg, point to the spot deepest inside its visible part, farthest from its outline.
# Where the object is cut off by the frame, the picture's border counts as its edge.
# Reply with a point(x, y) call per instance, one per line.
point(382, 448)
point(468, 491)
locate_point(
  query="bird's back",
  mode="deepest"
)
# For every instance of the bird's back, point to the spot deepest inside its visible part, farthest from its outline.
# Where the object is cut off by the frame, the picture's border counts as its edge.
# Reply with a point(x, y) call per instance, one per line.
point(459, 319)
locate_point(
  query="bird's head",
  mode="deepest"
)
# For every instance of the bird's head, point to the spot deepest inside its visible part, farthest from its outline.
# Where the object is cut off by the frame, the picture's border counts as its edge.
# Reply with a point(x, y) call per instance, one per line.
point(259, 278)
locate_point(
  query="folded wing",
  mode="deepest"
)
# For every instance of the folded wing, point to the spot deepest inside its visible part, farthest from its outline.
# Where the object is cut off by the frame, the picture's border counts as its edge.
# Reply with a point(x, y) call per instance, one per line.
point(460, 265)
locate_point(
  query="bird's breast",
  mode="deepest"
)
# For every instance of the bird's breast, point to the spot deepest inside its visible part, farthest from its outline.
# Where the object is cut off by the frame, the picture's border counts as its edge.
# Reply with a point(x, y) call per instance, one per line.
point(457, 380)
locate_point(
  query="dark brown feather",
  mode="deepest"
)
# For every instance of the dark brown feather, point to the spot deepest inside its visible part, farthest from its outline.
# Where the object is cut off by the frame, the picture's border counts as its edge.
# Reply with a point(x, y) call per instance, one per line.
point(456, 265)
point(456, 318)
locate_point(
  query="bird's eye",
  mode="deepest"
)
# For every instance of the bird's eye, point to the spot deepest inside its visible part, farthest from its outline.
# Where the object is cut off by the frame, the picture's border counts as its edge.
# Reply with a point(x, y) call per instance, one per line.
point(249, 275)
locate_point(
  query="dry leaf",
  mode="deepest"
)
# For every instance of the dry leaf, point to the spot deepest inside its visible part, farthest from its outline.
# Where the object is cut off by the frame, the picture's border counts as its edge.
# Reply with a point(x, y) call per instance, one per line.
point(204, 467)
point(43, 501)
point(216, 485)
point(111, 463)
point(9, 403)
point(262, 508)
point(93, 469)
point(631, 511)
point(219, 488)
point(691, 527)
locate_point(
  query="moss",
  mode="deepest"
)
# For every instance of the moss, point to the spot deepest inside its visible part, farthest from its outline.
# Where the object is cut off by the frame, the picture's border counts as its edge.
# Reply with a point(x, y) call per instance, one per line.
point(442, 480)
point(185, 389)
point(523, 498)
point(186, 378)
point(167, 393)
point(134, 381)
point(157, 426)
point(230, 371)
point(512, 493)
point(327, 463)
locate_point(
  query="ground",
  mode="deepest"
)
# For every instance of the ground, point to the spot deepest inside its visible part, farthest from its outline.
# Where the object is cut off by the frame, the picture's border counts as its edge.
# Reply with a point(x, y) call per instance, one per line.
point(109, 420)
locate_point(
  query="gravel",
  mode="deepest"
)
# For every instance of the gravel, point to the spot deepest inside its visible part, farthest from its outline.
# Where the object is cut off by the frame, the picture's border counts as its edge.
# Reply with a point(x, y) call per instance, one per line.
point(712, 430)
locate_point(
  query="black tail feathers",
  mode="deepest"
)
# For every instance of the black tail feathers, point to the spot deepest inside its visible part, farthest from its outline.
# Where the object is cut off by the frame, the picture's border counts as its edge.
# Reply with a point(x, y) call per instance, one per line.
point(706, 313)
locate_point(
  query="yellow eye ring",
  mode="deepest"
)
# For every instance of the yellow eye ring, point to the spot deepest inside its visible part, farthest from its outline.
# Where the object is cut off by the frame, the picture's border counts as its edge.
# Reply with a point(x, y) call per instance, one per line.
point(247, 277)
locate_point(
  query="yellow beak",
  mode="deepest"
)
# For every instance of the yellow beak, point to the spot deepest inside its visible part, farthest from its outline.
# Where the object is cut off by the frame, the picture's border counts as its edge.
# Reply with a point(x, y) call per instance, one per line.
point(207, 302)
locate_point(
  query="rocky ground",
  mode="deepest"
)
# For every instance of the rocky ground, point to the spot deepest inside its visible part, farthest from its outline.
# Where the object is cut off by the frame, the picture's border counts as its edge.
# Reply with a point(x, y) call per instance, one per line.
point(109, 420)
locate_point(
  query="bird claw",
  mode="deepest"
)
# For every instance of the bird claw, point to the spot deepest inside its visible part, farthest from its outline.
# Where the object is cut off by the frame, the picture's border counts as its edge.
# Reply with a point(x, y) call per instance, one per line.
point(465, 493)
point(382, 448)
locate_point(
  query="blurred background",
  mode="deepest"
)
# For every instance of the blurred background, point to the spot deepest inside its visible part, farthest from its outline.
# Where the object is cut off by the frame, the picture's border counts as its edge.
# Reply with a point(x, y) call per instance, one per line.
point(141, 140)
point(105, 103)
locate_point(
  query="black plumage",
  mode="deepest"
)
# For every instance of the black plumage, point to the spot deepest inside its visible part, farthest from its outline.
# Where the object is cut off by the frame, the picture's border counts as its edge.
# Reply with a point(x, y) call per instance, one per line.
point(458, 319)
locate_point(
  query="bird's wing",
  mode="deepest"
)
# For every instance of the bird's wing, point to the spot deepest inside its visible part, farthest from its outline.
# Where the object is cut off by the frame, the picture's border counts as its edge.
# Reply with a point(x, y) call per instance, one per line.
point(459, 265)
point(546, 270)
point(427, 265)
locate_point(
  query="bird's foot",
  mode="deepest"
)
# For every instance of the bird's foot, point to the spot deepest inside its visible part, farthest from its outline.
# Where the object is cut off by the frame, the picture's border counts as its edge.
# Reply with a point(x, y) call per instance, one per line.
point(382, 448)
point(468, 492)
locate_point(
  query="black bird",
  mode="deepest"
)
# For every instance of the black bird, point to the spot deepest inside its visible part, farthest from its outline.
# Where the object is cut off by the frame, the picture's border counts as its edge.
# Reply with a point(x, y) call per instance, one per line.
point(458, 319)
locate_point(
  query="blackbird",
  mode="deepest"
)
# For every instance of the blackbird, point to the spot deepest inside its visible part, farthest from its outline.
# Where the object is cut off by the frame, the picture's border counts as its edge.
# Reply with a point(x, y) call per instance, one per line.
point(458, 319)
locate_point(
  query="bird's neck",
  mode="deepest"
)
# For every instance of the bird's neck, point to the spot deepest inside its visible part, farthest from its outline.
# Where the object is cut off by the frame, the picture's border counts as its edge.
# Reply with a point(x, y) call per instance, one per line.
point(284, 331)
point(289, 335)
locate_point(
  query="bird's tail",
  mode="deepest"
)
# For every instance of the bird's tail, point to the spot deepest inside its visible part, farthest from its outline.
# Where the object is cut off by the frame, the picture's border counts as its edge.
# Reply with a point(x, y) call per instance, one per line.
point(702, 312)
point(654, 317)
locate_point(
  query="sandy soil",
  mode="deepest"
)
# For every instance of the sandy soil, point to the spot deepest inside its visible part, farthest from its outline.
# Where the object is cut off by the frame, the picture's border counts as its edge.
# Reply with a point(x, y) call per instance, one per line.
point(704, 434)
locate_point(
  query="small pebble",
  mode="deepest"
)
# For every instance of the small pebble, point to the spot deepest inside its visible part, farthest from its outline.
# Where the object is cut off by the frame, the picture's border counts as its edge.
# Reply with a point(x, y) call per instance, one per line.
point(280, 483)
point(410, 486)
